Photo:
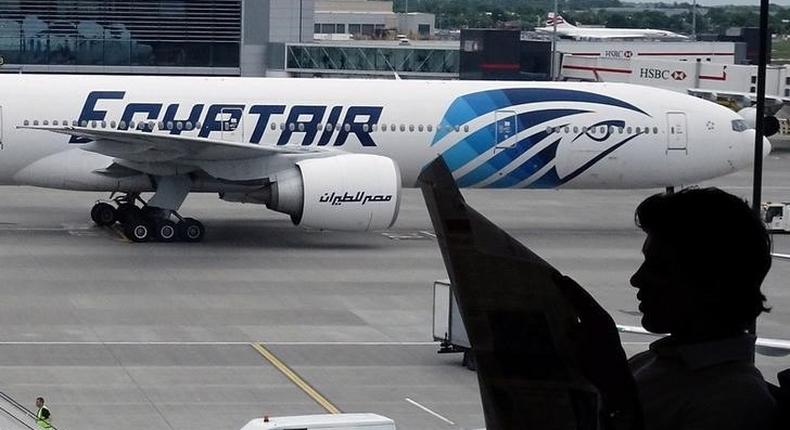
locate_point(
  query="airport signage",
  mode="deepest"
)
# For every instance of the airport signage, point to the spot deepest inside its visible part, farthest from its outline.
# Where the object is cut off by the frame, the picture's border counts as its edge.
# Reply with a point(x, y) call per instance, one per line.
point(662, 74)
point(625, 54)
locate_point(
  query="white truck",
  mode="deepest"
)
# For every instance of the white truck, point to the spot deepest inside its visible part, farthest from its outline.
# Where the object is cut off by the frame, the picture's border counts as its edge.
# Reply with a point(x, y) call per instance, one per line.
point(322, 422)
point(776, 217)
point(448, 327)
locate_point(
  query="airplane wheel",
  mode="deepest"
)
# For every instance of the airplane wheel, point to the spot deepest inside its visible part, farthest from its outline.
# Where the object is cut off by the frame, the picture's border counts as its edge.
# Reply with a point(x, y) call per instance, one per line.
point(138, 230)
point(191, 230)
point(103, 214)
point(166, 230)
point(128, 212)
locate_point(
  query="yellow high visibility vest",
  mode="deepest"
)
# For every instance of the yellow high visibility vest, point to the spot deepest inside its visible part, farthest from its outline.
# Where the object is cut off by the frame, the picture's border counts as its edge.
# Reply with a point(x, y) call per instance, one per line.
point(41, 421)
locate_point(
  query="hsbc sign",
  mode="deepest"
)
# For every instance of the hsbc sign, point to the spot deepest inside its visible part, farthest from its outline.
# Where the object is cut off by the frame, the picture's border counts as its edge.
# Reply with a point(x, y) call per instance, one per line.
point(618, 54)
point(662, 74)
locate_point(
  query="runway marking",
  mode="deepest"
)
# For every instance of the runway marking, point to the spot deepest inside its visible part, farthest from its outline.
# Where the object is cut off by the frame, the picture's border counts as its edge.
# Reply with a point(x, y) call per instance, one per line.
point(296, 379)
point(429, 411)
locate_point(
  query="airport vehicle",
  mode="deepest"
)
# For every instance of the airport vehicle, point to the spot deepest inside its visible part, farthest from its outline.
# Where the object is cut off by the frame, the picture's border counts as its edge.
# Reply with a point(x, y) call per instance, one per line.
point(324, 422)
point(448, 326)
point(334, 154)
point(570, 31)
point(776, 217)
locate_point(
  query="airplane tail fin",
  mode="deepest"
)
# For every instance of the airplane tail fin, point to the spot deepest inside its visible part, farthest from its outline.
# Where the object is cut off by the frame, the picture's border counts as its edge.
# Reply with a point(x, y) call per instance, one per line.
point(559, 20)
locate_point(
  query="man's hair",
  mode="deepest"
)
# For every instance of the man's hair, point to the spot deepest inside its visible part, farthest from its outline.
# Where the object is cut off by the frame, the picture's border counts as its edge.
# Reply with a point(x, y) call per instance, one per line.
point(720, 243)
point(40, 398)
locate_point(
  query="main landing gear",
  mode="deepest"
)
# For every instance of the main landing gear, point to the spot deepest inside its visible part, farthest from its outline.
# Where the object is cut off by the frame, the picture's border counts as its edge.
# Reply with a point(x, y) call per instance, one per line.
point(146, 223)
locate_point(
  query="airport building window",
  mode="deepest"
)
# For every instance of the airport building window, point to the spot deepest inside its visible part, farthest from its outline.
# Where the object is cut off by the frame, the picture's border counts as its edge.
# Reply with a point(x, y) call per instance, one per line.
point(354, 28)
point(174, 33)
point(316, 28)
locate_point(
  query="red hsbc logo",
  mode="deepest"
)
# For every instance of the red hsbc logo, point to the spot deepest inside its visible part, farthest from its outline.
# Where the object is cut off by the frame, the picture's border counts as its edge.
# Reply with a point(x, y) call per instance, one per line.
point(678, 75)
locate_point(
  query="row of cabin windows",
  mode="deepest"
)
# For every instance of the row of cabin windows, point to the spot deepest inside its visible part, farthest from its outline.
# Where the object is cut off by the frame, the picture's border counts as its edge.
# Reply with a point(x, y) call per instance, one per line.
point(179, 125)
point(602, 130)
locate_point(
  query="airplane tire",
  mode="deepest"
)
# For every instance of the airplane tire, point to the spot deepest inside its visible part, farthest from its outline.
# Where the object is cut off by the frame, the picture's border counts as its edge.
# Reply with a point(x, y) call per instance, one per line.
point(191, 230)
point(103, 214)
point(166, 230)
point(128, 212)
point(138, 230)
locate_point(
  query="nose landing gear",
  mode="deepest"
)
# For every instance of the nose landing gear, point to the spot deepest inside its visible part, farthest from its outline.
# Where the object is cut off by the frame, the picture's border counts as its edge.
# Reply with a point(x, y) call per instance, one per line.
point(146, 223)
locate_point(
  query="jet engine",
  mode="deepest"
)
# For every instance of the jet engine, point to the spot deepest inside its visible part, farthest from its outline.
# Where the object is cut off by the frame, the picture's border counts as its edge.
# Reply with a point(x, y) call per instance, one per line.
point(770, 123)
point(349, 192)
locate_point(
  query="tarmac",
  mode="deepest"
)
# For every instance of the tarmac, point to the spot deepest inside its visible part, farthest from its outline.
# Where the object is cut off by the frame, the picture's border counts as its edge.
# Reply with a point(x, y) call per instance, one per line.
point(267, 319)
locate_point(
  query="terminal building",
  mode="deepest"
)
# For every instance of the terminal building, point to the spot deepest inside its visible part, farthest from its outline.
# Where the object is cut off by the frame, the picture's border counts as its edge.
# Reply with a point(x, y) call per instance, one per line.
point(285, 38)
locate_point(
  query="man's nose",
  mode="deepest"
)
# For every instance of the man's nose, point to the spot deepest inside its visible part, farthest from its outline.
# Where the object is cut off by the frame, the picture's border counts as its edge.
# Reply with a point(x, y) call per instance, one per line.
point(636, 278)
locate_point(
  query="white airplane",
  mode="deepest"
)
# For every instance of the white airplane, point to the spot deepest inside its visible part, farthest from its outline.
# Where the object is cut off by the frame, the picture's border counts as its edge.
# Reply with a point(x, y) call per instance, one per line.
point(334, 154)
point(570, 31)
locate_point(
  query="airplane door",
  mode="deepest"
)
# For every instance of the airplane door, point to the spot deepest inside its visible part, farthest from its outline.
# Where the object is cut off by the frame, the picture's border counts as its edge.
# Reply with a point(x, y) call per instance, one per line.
point(677, 131)
point(506, 129)
point(232, 127)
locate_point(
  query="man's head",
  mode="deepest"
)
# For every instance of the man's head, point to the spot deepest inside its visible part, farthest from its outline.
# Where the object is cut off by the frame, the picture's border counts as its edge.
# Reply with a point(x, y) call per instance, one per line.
point(39, 402)
point(706, 255)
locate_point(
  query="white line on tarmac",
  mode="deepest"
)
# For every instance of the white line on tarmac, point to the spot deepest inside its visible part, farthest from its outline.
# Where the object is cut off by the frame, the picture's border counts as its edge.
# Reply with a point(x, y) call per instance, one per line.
point(429, 411)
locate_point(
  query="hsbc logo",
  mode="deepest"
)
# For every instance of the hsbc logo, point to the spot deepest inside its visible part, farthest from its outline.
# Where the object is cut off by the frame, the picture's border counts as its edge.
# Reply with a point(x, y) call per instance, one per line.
point(618, 54)
point(662, 74)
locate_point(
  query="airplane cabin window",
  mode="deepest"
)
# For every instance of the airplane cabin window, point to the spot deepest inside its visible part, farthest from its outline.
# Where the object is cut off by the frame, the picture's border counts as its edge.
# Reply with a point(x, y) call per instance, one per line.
point(197, 124)
point(637, 130)
point(291, 126)
point(392, 127)
point(457, 129)
point(402, 127)
point(84, 123)
point(628, 130)
point(55, 122)
point(411, 127)
point(103, 124)
point(26, 122)
point(45, 122)
point(35, 122)
point(169, 125)
point(301, 127)
point(383, 127)
point(567, 130)
point(430, 128)
point(319, 127)
point(466, 129)
point(420, 128)
point(365, 128)
point(347, 127)
point(375, 127)
point(122, 125)
point(113, 124)
point(274, 126)
point(584, 129)
point(655, 130)
point(575, 129)
point(620, 130)
point(282, 126)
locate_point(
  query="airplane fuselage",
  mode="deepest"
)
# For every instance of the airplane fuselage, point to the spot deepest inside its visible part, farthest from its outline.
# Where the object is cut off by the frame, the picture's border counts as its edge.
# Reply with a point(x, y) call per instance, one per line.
point(491, 134)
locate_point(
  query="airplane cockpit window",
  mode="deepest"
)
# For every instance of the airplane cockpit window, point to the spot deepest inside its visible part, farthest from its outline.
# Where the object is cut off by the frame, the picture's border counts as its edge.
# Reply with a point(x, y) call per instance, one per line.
point(739, 125)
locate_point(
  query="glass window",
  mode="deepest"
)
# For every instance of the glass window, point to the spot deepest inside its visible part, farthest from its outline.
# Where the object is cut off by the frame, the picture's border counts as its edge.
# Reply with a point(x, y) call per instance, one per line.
point(327, 28)
point(301, 126)
point(403, 127)
point(316, 28)
point(628, 130)
point(319, 127)
point(329, 127)
point(655, 130)
point(739, 125)
point(340, 28)
point(274, 126)
point(411, 127)
point(354, 28)
point(27, 122)
point(430, 128)
point(347, 127)
point(466, 129)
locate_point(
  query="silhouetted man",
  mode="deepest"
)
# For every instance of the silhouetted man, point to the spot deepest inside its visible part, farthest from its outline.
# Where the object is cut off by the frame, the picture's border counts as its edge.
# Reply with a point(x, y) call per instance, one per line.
point(706, 255)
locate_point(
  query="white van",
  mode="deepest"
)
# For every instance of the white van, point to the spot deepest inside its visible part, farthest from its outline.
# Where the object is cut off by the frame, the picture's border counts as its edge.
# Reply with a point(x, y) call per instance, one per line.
point(324, 422)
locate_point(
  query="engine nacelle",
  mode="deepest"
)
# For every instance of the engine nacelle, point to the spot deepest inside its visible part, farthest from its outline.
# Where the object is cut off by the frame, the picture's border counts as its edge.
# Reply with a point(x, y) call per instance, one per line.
point(770, 123)
point(349, 192)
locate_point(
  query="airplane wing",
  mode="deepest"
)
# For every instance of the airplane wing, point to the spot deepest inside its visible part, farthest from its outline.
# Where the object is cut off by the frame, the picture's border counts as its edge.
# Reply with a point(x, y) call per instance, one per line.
point(780, 256)
point(764, 346)
point(147, 147)
point(738, 98)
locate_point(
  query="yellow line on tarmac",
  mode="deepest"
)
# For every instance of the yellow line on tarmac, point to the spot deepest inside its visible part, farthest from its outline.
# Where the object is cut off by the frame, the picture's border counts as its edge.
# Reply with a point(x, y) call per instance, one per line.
point(295, 378)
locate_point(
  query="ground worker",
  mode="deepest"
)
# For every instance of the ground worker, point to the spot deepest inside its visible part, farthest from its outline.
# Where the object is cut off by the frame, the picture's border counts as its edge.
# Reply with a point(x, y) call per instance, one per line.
point(43, 416)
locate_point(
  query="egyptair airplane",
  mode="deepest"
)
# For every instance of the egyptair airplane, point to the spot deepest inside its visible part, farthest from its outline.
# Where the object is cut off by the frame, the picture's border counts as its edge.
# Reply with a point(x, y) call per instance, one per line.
point(570, 31)
point(334, 154)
